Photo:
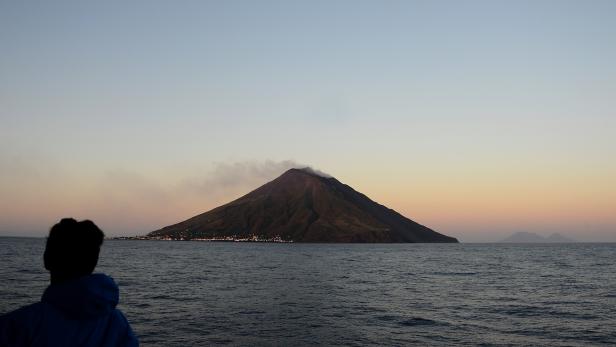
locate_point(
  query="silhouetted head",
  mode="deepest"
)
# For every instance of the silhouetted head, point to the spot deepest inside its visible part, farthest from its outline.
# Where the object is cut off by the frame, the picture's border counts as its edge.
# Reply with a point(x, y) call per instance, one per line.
point(72, 249)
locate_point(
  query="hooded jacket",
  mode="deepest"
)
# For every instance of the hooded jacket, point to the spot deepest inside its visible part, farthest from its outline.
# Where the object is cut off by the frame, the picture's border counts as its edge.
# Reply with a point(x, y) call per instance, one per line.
point(80, 312)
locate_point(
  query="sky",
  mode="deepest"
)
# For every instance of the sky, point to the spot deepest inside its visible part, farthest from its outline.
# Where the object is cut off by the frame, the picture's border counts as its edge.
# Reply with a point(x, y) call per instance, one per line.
point(475, 118)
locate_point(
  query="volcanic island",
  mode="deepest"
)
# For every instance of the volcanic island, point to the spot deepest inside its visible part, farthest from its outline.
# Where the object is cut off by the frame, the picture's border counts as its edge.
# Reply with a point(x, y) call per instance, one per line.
point(302, 205)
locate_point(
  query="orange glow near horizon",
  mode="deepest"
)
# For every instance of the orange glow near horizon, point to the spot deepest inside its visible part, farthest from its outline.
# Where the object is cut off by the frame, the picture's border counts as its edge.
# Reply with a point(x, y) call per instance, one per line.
point(481, 208)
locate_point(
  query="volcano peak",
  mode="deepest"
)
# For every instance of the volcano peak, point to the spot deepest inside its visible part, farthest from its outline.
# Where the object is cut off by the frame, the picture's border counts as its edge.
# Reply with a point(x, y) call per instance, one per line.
point(303, 205)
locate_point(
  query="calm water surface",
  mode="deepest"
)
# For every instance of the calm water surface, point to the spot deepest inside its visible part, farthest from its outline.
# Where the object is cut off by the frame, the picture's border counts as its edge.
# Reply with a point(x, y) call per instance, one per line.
point(199, 293)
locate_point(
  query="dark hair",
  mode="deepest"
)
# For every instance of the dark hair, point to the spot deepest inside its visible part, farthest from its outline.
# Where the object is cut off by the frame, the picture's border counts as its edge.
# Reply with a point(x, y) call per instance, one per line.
point(72, 248)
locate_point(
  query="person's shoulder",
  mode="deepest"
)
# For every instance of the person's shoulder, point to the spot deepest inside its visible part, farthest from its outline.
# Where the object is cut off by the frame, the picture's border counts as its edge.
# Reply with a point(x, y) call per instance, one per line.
point(17, 327)
point(126, 336)
point(25, 312)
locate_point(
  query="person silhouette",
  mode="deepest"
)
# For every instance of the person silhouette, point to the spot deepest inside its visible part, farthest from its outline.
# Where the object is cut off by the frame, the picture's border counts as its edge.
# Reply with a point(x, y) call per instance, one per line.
point(78, 308)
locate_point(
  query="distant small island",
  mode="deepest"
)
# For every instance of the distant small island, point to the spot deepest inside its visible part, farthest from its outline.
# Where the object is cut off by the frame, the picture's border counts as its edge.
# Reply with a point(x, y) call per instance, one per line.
point(527, 237)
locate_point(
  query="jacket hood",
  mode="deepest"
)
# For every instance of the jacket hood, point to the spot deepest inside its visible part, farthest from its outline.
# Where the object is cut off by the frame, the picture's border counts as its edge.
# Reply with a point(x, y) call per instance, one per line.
point(86, 297)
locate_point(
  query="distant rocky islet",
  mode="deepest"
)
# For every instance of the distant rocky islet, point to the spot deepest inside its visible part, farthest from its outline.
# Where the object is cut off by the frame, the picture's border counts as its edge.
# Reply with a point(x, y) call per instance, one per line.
point(528, 237)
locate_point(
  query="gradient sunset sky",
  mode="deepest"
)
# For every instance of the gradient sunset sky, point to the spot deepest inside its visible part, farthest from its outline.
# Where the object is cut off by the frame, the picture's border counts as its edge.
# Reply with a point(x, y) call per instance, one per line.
point(475, 118)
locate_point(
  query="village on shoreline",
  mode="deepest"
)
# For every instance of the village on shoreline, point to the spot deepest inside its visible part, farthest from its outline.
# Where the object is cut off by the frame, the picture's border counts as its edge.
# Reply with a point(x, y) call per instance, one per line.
point(252, 238)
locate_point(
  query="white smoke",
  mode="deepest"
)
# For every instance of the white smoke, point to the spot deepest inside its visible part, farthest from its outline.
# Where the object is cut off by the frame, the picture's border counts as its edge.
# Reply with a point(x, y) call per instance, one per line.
point(123, 201)
point(238, 176)
point(314, 171)
point(241, 177)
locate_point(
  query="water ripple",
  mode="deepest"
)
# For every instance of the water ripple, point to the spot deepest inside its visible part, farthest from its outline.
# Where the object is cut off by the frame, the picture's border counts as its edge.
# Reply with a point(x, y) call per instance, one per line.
point(229, 294)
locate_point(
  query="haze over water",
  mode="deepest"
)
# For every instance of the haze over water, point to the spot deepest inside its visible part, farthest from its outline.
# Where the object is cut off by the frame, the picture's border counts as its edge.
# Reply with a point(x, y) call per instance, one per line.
point(199, 293)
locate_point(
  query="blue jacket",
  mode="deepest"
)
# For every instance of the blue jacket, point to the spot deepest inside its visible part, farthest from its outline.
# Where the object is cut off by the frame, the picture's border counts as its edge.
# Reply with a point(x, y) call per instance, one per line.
point(80, 312)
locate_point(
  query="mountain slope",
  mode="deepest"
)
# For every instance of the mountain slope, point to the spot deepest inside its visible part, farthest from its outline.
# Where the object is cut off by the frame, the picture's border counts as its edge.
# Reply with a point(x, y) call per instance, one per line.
point(303, 206)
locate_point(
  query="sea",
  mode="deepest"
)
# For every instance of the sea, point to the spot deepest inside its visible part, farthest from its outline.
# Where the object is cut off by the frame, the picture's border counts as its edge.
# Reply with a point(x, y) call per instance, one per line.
point(189, 293)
